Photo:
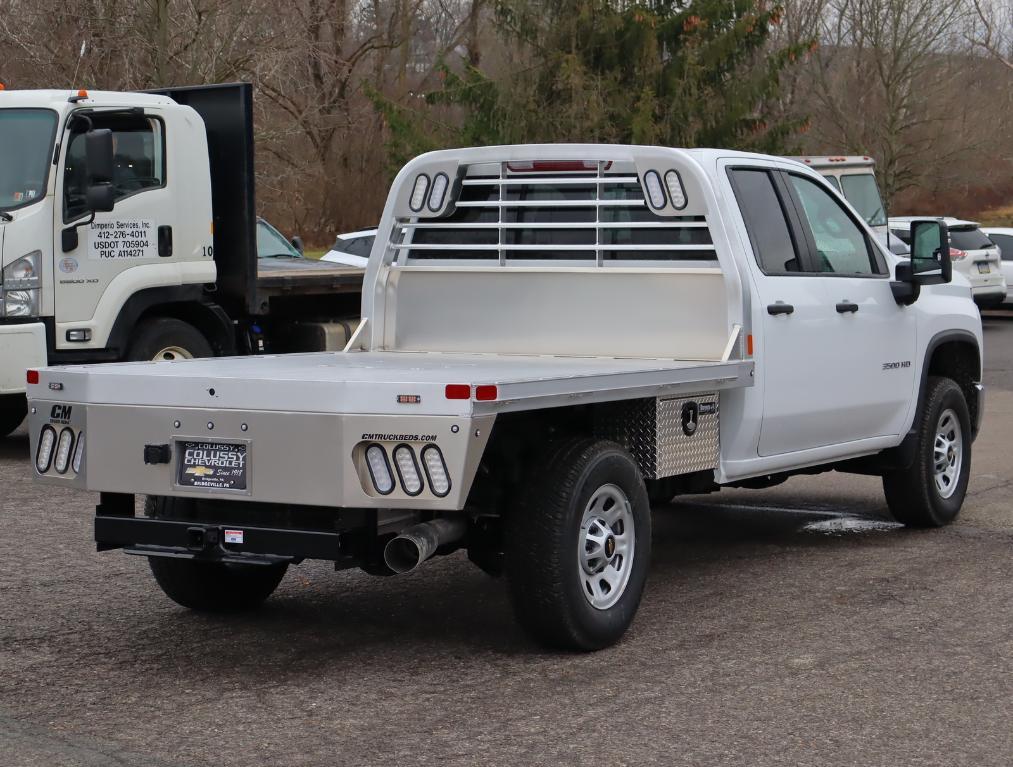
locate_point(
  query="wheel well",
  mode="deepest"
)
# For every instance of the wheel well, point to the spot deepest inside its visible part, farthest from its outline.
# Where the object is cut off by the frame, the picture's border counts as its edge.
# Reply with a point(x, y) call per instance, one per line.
point(214, 326)
point(958, 360)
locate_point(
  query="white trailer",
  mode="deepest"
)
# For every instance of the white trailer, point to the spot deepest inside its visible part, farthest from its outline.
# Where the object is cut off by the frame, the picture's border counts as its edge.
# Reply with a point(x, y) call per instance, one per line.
point(550, 335)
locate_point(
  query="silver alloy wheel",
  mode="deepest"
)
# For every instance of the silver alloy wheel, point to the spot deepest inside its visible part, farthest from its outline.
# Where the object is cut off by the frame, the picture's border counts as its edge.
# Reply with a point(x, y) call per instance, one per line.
point(171, 354)
point(606, 547)
point(947, 453)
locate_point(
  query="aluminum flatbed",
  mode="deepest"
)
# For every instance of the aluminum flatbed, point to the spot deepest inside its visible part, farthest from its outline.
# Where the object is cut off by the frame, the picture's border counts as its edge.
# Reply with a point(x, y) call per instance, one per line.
point(370, 382)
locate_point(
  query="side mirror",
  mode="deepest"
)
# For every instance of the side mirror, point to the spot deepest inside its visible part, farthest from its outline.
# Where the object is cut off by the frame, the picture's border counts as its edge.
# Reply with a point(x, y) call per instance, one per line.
point(98, 155)
point(100, 197)
point(298, 244)
point(930, 253)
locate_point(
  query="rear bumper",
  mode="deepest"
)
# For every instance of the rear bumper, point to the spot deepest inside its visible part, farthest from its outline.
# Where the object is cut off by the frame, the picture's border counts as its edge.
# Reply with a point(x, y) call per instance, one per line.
point(208, 542)
point(21, 347)
point(310, 459)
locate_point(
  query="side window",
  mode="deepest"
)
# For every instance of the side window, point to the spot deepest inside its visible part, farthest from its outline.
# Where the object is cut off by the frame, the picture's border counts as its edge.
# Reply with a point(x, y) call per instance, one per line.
point(763, 212)
point(138, 160)
point(841, 245)
point(1005, 243)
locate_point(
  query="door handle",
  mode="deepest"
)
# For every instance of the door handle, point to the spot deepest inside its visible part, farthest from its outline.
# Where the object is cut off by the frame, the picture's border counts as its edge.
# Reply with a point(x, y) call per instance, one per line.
point(843, 307)
point(780, 308)
point(165, 241)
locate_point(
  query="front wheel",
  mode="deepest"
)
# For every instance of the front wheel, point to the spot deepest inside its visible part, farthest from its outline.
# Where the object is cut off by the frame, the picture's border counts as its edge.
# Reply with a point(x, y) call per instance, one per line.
point(578, 546)
point(930, 492)
point(167, 339)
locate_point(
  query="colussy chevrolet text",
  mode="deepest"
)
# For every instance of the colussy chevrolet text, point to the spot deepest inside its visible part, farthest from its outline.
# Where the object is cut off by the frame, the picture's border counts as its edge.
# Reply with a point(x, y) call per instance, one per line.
point(551, 337)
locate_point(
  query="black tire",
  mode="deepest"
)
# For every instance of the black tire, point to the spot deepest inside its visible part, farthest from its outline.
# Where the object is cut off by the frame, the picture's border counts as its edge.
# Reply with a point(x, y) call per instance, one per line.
point(157, 334)
point(543, 535)
point(13, 409)
point(911, 493)
point(209, 586)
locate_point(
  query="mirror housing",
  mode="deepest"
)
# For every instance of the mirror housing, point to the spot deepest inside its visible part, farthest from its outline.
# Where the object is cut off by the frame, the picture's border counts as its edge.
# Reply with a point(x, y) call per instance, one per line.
point(100, 198)
point(930, 262)
point(297, 243)
point(930, 253)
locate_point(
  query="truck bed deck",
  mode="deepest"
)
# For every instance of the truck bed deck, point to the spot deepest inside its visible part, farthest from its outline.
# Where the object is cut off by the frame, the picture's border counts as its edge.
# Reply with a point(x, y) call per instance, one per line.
point(371, 382)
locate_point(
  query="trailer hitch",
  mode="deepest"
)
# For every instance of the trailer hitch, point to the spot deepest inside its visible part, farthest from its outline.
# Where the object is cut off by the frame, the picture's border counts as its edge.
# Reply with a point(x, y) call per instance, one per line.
point(201, 538)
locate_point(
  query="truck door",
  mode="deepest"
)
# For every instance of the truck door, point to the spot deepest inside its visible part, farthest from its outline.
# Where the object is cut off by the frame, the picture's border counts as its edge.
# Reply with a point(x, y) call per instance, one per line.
point(835, 348)
point(123, 239)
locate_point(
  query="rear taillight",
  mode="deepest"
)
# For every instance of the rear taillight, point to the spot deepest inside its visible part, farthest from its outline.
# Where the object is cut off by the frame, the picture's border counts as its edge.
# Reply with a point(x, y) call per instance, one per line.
point(32, 376)
point(956, 254)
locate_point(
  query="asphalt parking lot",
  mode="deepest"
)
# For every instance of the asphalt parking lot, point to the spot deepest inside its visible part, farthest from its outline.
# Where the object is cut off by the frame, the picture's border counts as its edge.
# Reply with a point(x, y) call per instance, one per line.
point(792, 626)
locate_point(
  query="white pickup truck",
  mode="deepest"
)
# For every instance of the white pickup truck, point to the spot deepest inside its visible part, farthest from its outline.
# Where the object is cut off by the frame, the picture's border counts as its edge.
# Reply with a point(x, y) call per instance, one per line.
point(550, 336)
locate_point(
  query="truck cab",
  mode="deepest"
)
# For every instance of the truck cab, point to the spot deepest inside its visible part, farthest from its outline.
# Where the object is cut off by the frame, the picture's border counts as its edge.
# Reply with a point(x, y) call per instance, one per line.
point(127, 228)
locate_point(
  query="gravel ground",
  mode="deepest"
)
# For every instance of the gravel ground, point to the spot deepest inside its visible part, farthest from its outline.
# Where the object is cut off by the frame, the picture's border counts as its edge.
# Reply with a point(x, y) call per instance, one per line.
point(790, 626)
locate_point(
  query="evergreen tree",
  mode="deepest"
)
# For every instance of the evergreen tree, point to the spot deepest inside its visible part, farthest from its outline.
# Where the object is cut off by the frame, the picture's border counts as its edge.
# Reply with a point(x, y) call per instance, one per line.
point(699, 73)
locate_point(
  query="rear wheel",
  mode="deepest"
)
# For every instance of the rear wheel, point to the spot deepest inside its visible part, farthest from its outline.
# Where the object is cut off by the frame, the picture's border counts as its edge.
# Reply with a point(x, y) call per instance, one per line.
point(930, 492)
point(209, 586)
point(13, 409)
point(168, 339)
point(578, 546)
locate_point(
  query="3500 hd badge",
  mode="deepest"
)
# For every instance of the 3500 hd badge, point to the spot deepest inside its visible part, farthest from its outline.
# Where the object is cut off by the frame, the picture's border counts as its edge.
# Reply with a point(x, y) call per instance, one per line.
point(214, 465)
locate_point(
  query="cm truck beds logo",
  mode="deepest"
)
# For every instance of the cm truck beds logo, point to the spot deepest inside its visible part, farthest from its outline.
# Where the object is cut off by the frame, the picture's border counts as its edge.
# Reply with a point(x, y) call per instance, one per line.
point(60, 413)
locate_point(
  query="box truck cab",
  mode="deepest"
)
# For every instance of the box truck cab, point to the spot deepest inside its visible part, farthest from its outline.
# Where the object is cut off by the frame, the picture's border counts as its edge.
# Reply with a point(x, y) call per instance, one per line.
point(854, 176)
point(127, 231)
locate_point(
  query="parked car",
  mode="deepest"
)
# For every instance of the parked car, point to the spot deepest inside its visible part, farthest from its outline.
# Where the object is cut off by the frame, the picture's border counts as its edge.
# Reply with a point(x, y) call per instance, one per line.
point(973, 254)
point(351, 249)
point(1003, 237)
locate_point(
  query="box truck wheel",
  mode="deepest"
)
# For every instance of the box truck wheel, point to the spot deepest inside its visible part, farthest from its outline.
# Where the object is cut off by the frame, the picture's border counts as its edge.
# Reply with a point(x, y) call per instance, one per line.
point(13, 409)
point(578, 546)
point(929, 493)
point(166, 338)
point(208, 586)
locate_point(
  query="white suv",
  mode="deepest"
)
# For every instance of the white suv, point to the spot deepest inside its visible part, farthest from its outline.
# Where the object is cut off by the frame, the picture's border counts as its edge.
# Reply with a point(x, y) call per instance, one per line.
point(973, 254)
point(1003, 237)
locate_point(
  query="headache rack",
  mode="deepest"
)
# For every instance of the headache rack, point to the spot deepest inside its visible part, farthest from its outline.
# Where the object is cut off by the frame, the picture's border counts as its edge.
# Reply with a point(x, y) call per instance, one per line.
point(567, 213)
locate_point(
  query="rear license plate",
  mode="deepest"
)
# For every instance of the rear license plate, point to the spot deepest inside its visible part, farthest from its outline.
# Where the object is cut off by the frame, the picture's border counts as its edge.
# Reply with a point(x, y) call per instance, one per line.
point(983, 269)
point(214, 465)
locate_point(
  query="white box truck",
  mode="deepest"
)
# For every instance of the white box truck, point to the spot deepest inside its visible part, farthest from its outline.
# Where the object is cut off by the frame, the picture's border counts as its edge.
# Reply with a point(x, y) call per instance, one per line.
point(127, 230)
point(550, 334)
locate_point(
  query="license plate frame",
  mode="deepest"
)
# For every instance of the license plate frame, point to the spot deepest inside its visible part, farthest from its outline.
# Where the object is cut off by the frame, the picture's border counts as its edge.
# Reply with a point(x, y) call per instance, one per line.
point(983, 268)
point(212, 466)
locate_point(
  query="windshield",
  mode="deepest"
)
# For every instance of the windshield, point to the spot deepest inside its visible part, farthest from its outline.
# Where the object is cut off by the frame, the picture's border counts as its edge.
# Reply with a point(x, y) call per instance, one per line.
point(270, 243)
point(26, 147)
point(970, 239)
point(860, 190)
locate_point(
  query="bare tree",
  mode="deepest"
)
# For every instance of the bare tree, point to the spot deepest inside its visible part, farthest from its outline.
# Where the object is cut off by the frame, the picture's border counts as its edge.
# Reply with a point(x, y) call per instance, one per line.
point(992, 29)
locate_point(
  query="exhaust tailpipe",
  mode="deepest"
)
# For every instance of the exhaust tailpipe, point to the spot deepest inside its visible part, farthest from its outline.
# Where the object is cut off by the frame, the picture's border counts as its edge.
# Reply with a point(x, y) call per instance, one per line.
point(419, 542)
